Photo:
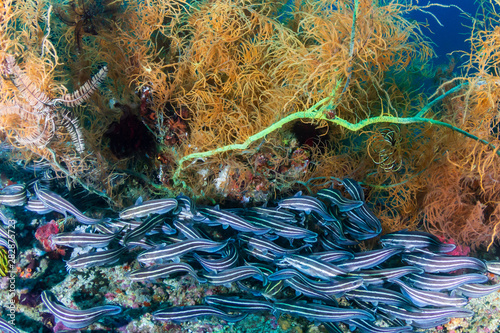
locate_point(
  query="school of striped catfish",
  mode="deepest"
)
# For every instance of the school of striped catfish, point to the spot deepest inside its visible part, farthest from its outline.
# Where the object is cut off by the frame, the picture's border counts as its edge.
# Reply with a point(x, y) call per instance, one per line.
point(297, 257)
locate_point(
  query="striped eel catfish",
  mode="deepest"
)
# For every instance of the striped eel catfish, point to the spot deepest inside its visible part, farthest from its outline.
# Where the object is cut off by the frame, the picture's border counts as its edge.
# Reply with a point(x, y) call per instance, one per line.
point(77, 318)
point(81, 239)
point(185, 313)
point(365, 326)
point(336, 199)
point(101, 258)
point(378, 295)
point(175, 251)
point(442, 264)
point(56, 202)
point(475, 290)
point(229, 259)
point(139, 232)
point(411, 240)
point(424, 315)
point(309, 266)
point(228, 276)
point(13, 195)
point(319, 312)
point(226, 218)
point(163, 271)
point(368, 259)
point(265, 245)
point(493, 267)
point(443, 282)
point(6, 327)
point(141, 209)
point(37, 206)
point(307, 205)
point(238, 304)
point(423, 298)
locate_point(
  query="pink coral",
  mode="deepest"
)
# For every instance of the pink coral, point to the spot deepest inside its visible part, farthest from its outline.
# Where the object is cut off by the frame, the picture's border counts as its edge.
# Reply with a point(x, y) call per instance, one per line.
point(44, 233)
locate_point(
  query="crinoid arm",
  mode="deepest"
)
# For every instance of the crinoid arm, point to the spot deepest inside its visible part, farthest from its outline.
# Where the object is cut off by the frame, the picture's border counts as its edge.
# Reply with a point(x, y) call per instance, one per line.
point(31, 93)
point(84, 92)
point(73, 127)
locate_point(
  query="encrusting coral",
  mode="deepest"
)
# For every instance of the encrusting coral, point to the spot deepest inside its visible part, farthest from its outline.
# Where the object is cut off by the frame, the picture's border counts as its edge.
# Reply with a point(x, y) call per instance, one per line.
point(247, 100)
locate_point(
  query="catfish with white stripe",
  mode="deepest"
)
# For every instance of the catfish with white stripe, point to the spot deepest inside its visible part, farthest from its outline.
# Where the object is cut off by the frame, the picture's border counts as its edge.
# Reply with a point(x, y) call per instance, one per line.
point(239, 304)
point(265, 245)
point(307, 205)
point(424, 297)
point(442, 264)
point(365, 326)
point(443, 282)
point(493, 267)
point(226, 218)
point(37, 206)
point(174, 251)
point(163, 271)
point(424, 315)
point(99, 258)
point(475, 290)
point(336, 199)
point(6, 327)
point(309, 266)
point(77, 318)
point(236, 274)
point(368, 259)
point(141, 209)
point(56, 202)
point(139, 232)
point(13, 195)
point(411, 240)
point(284, 229)
point(313, 311)
point(378, 295)
point(380, 276)
point(354, 189)
point(228, 260)
point(185, 313)
point(80, 239)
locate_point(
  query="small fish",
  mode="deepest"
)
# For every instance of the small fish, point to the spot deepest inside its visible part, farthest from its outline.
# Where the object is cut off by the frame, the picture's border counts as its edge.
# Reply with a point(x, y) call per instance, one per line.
point(232, 220)
point(229, 260)
point(378, 295)
point(13, 195)
point(336, 199)
point(380, 276)
point(187, 230)
point(411, 240)
point(163, 271)
point(264, 245)
point(354, 189)
point(365, 326)
point(493, 267)
point(307, 205)
point(6, 327)
point(228, 276)
point(77, 318)
point(174, 251)
point(141, 209)
point(146, 226)
point(368, 259)
point(100, 258)
point(443, 282)
point(475, 290)
point(284, 229)
point(56, 202)
point(424, 297)
point(239, 304)
point(319, 312)
point(440, 264)
point(332, 256)
point(310, 266)
point(185, 313)
point(80, 239)
point(37, 206)
point(424, 315)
